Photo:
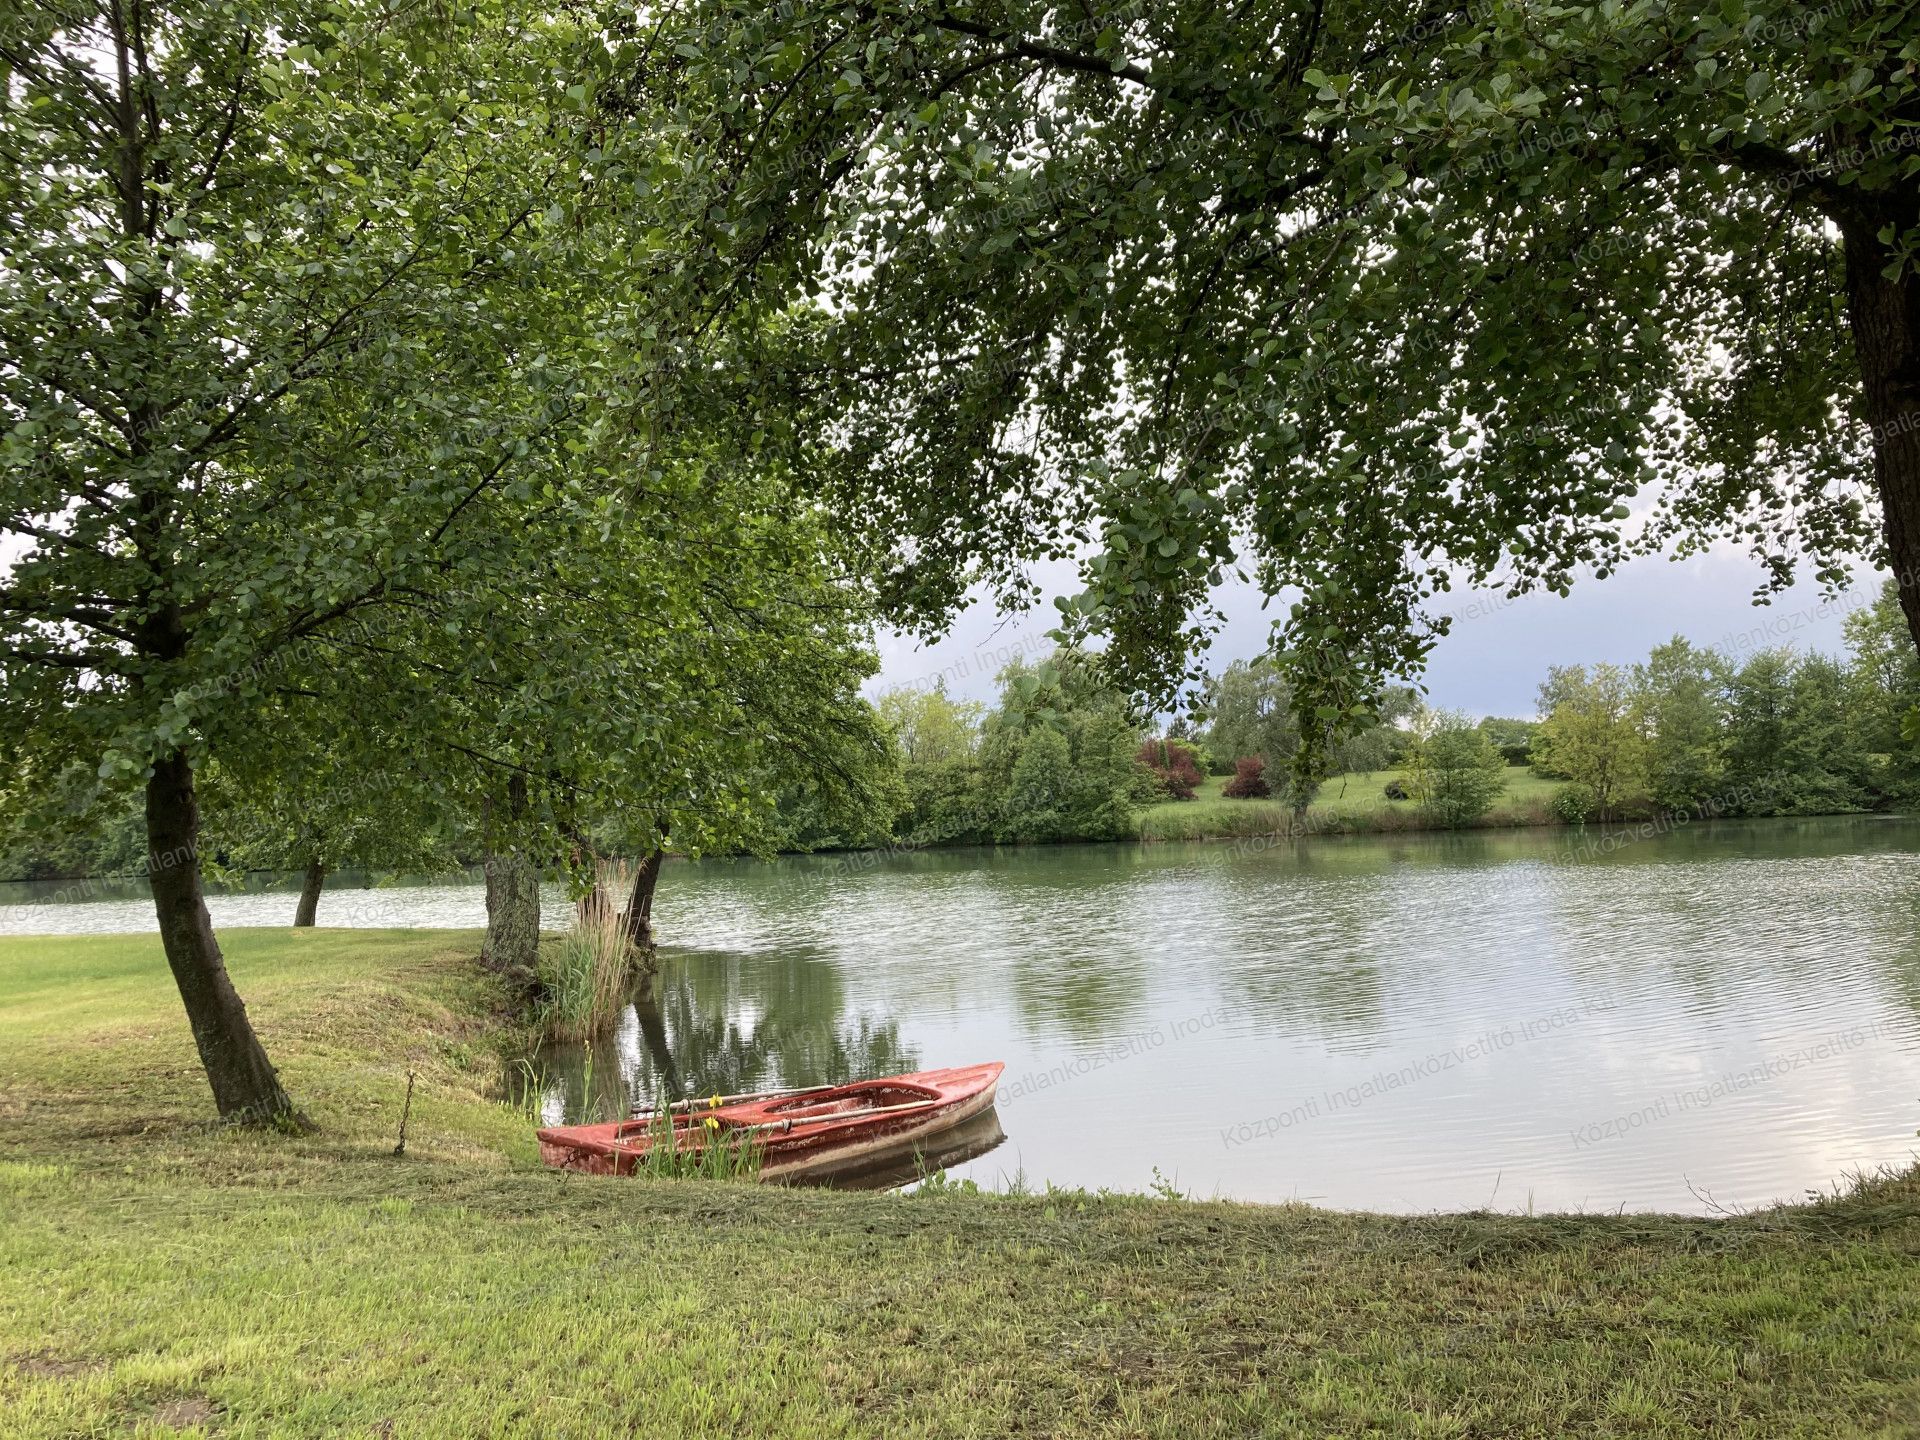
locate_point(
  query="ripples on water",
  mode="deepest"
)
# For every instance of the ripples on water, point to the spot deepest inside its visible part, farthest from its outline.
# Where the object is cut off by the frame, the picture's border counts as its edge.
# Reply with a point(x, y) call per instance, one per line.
point(1723, 1015)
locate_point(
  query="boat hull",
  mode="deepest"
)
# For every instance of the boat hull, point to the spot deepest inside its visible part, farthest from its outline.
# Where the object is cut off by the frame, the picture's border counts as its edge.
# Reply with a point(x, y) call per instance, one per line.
point(807, 1138)
point(968, 1140)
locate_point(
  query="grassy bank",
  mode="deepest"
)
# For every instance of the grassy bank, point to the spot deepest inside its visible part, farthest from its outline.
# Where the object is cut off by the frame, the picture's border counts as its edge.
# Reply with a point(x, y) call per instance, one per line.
point(1346, 805)
point(163, 1276)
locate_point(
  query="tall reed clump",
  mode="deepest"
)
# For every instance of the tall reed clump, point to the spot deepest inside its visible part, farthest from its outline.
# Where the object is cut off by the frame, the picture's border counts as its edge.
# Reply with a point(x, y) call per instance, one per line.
point(586, 972)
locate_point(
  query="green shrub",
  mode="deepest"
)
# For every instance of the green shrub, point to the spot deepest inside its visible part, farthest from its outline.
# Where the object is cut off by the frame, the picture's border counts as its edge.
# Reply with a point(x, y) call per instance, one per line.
point(1572, 804)
point(1453, 770)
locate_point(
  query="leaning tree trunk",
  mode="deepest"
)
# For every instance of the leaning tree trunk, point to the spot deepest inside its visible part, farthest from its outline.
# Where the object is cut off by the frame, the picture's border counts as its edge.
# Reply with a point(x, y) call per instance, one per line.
point(639, 916)
point(1885, 319)
point(245, 1087)
point(309, 907)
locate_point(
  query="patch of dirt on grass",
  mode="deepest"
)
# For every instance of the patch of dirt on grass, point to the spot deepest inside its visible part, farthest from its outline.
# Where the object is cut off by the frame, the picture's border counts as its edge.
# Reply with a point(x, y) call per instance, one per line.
point(186, 1413)
point(54, 1367)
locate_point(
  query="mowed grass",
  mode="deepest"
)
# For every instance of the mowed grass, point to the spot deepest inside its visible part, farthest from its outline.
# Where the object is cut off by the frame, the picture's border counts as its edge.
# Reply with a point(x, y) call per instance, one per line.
point(1346, 804)
point(163, 1276)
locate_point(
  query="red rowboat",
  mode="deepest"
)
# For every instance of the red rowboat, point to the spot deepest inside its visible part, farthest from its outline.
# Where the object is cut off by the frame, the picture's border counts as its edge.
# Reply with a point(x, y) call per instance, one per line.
point(809, 1135)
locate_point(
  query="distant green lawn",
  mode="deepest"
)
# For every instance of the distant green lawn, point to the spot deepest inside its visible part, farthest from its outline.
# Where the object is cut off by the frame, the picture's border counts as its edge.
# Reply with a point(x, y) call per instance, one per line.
point(163, 1277)
point(1346, 802)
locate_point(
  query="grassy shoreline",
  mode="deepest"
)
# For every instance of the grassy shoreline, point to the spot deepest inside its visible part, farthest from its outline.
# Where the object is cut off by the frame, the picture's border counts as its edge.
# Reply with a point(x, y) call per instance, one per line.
point(1346, 805)
point(163, 1276)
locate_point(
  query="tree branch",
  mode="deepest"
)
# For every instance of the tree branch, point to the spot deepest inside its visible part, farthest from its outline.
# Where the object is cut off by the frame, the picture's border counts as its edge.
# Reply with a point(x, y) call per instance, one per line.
point(1054, 55)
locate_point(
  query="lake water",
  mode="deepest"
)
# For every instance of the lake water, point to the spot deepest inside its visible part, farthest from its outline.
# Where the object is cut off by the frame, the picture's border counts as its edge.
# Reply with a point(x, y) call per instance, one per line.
point(1722, 1015)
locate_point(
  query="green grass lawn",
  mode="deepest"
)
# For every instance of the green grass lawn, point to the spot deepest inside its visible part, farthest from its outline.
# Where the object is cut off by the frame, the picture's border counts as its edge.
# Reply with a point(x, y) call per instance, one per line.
point(1345, 803)
point(160, 1275)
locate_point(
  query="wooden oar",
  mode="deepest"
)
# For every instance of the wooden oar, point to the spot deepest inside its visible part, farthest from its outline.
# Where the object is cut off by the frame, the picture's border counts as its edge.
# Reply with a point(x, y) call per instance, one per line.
point(789, 1123)
point(783, 1126)
point(706, 1102)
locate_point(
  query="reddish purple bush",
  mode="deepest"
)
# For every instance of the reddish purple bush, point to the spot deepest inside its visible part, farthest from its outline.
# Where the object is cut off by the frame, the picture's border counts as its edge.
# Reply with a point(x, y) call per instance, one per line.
point(1174, 767)
point(1249, 780)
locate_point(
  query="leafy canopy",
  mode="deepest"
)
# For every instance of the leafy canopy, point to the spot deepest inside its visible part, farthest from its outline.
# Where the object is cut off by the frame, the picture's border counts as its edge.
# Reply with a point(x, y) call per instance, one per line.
point(1383, 297)
point(344, 438)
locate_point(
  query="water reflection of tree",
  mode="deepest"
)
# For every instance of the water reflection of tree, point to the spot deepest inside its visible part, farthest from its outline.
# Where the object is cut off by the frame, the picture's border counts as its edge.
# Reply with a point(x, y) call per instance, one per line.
point(579, 1083)
point(1075, 940)
point(709, 1025)
point(1741, 916)
point(1330, 937)
point(701, 1040)
point(1904, 973)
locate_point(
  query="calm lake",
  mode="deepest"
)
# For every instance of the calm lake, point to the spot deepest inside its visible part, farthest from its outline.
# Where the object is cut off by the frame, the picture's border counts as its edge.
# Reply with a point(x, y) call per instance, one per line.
point(1722, 1015)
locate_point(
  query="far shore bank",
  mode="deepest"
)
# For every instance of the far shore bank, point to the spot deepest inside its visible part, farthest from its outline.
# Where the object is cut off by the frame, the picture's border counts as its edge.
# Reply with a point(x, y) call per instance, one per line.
point(1257, 821)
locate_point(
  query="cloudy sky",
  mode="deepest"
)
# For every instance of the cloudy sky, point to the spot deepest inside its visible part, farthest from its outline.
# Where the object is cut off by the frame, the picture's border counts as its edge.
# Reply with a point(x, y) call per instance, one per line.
point(1499, 651)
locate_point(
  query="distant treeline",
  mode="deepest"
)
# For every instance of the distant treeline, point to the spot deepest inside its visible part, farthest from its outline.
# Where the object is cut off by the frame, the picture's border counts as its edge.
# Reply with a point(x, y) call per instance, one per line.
point(1057, 757)
point(1687, 731)
point(1690, 730)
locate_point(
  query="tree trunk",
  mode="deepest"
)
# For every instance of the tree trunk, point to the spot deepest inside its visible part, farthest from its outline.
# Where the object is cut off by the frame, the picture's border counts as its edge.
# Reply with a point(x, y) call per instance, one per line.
point(245, 1088)
point(639, 916)
point(309, 907)
point(512, 945)
point(1885, 319)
